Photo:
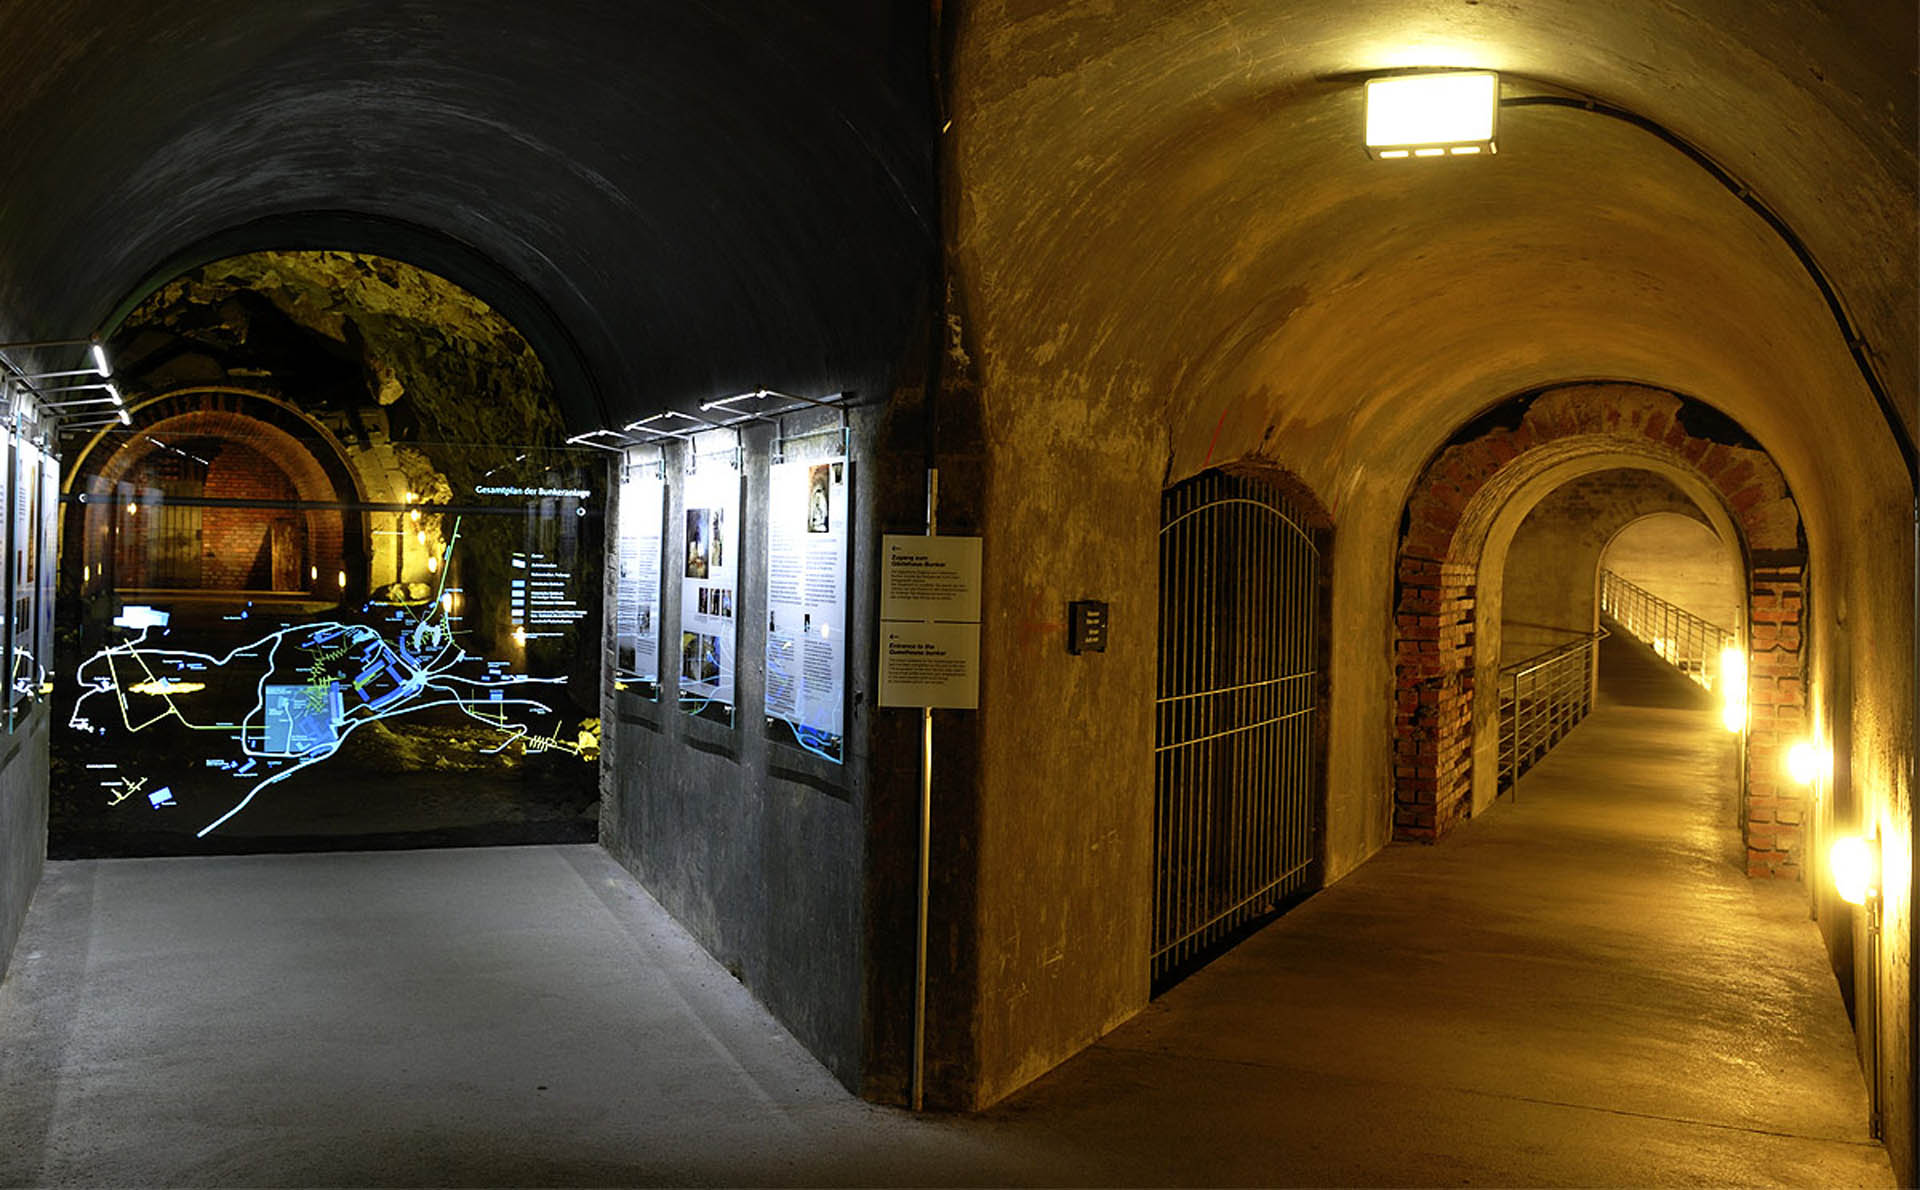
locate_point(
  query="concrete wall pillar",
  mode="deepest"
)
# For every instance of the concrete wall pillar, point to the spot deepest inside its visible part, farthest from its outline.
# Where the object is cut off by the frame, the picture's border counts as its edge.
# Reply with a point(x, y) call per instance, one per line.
point(23, 823)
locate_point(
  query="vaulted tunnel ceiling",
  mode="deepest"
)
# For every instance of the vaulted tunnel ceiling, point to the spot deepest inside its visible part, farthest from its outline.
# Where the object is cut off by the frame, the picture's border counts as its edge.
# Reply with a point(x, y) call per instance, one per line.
point(1170, 216)
point(675, 202)
point(690, 200)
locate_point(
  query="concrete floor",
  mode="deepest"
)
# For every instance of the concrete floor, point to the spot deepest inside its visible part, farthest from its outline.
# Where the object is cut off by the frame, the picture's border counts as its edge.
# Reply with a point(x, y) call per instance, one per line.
point(1577, 988)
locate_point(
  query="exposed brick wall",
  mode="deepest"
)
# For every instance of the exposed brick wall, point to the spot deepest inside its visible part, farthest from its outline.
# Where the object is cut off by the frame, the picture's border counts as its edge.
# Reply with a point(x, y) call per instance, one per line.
point(236, 543)
point(250, 457)
point(130, 543)
point(302, 451)
point(1433, 677)
point(1449, 514)
point(1777, 706)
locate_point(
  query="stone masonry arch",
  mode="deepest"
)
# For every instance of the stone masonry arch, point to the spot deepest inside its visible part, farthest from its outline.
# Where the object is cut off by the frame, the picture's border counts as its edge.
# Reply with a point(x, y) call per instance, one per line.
point(286, 441)
point(1489, 475)
point(1683, 491)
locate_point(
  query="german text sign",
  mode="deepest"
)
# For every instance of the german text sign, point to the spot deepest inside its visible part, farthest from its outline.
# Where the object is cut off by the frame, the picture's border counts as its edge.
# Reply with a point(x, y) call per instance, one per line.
point(930, 622)
point(930, 578)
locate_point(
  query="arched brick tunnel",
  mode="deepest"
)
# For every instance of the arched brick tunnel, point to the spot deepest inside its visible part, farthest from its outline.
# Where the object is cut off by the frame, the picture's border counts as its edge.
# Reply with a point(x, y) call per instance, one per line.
point(252, 458)
point(1489, 475)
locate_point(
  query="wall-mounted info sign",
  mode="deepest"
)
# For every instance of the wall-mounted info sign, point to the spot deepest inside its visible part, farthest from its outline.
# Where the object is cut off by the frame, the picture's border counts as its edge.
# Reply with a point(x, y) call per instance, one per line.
point(807, 601)
point(709, 591)
point(930, 622)
point(637, 588)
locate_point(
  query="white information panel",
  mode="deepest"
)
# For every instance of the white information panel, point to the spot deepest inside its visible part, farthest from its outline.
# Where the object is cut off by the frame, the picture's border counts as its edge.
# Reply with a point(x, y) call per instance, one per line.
point(709, 590)
point(49, 527)
point(26, 579)
point(929, 665)
point(637, 591)
point(930, 578)
point(807, 601)
point(930, 622)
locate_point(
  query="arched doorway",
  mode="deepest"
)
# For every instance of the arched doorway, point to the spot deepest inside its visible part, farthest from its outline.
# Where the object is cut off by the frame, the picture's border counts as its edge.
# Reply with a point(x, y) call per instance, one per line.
point(218, 490)
point(1545, 595)
point(1238, 780)
point(1463, 512)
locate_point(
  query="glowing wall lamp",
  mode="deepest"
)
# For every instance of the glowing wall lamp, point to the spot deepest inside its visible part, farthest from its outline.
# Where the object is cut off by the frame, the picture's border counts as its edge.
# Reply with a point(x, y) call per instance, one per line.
point(1856, 868)
point(100, 366)
point(1452, 114)
point(1733, 685)
point(119, 417)
point(1808, 762)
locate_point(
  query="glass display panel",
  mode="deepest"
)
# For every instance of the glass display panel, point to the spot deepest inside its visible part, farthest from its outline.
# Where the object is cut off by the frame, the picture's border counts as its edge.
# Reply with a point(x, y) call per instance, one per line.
point(49, 527)
point(637, 593)
point(276, 674)
point(26, 672)
point(709, 590)
point(807, 535)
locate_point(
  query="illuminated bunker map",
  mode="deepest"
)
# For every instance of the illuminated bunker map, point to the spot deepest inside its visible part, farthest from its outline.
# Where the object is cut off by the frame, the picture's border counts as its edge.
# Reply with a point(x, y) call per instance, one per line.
point(384, 723)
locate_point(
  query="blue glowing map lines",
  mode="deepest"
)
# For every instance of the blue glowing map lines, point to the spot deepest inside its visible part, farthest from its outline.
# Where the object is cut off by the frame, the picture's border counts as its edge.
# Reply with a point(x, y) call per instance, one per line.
point(291, 698)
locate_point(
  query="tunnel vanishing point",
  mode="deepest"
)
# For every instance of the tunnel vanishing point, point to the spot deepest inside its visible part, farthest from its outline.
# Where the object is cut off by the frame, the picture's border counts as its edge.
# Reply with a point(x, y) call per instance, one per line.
point(1281, 451)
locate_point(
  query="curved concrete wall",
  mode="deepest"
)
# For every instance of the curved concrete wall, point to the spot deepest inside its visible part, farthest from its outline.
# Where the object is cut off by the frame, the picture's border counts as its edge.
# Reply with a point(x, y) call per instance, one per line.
point(1683, 562)
point(1172, 252)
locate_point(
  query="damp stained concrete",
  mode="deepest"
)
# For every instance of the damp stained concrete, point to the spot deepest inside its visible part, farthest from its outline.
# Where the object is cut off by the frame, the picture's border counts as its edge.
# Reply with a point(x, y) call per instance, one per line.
point(1578, 987)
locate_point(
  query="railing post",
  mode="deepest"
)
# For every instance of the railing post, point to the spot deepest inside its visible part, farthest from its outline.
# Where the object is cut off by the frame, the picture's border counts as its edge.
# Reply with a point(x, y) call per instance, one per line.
point(1550, 694)
point(1694, 643)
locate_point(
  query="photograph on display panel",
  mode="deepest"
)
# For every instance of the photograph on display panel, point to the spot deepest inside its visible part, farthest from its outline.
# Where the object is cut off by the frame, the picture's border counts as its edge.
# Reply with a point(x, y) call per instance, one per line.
point(709, 583)
point(807, 604)
point(637, 593)
point(27, 666)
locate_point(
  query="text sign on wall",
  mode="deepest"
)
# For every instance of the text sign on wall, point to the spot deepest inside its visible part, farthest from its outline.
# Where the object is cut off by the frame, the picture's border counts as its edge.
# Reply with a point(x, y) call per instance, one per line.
point(709, 588)
point(930, 622)
point(637, 592)
point(930, 578)
point(807, 600)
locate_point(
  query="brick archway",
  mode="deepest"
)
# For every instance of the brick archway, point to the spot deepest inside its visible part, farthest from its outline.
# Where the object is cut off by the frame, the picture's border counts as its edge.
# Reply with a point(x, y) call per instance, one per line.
point(268, 450)
point(1449, 514)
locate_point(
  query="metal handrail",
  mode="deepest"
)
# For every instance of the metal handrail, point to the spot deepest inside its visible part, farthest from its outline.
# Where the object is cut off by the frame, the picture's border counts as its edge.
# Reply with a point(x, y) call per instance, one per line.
point(1535, 661)
point(1689, 643)
point(1542, 698)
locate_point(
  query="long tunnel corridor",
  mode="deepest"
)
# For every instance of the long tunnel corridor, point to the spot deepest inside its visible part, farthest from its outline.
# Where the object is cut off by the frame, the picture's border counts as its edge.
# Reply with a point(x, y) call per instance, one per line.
point(989, 592)
point(1582, 987)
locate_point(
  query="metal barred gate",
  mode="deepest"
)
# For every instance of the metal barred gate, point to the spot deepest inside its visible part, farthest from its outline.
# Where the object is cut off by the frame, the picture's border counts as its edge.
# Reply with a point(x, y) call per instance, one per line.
point(1236, 788)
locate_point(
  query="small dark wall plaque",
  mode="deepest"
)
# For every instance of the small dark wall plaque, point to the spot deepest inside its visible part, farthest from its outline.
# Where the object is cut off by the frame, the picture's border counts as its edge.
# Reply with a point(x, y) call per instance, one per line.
point(1086, 626)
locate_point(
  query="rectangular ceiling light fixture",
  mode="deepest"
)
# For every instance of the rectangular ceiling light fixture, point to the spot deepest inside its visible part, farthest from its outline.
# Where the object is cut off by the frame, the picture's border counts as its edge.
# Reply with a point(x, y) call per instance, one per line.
point(1453, 114)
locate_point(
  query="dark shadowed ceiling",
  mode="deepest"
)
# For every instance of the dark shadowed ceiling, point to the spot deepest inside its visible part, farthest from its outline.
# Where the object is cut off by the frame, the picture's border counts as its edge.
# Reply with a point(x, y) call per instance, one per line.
point(672, 200)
